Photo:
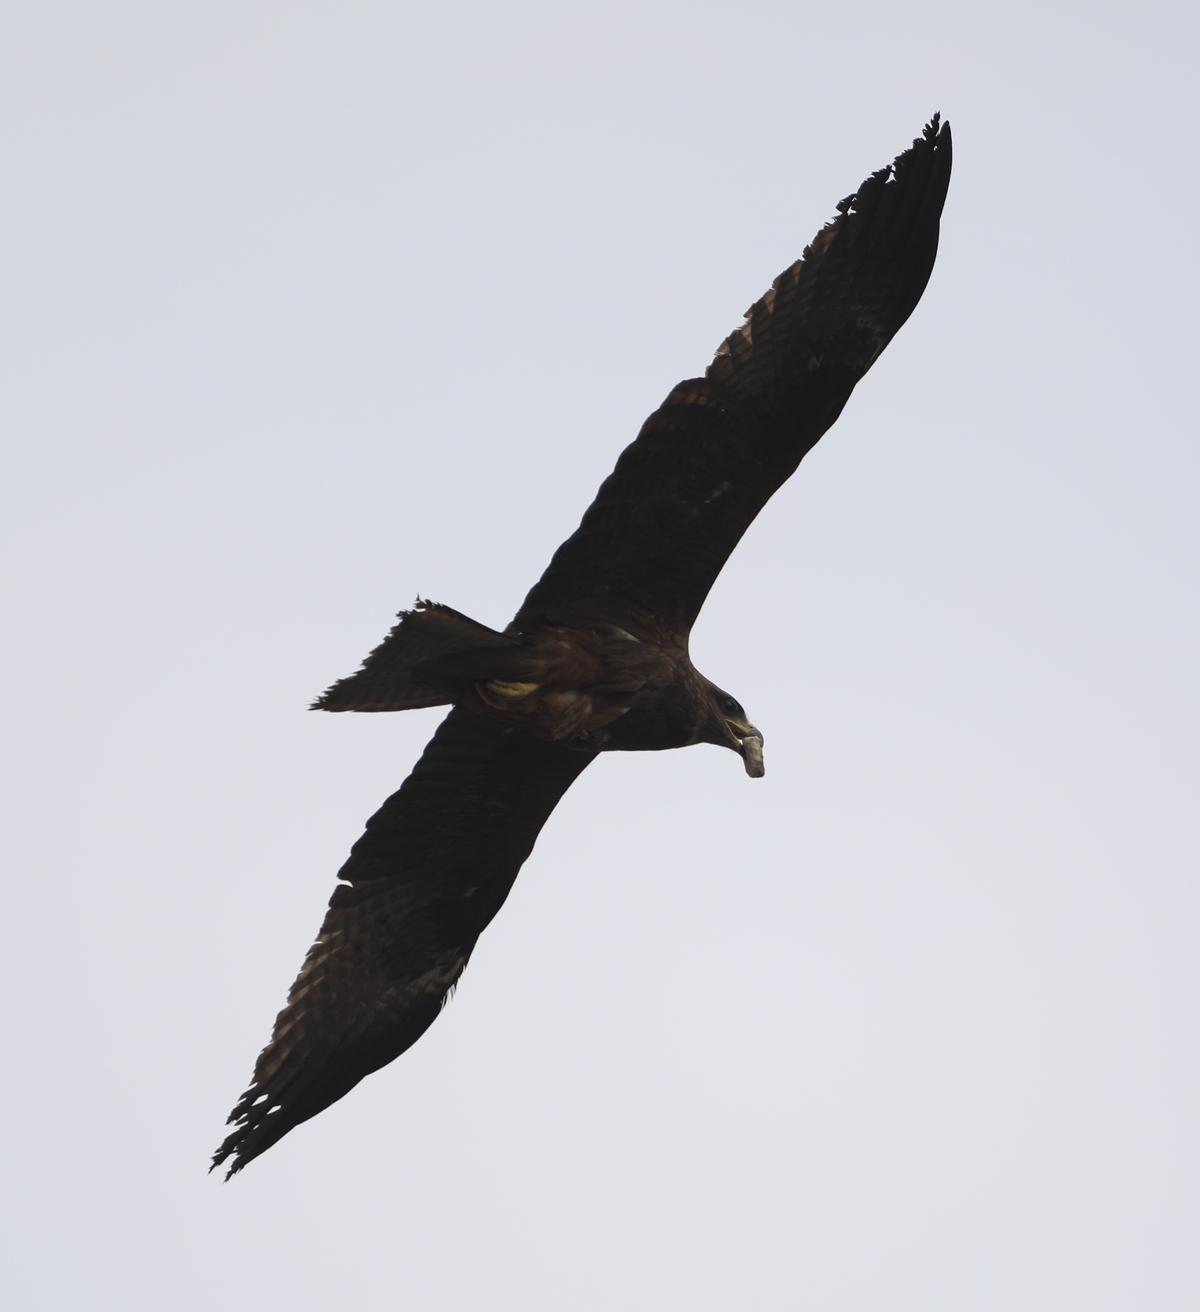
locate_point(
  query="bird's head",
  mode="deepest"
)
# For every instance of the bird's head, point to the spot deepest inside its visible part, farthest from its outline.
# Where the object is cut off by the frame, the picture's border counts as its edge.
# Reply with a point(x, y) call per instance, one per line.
point(728, 726)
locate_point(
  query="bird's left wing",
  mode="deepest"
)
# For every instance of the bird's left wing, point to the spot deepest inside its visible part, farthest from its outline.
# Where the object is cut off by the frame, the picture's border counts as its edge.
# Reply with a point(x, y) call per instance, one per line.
point(433, 867)
point(681, 496)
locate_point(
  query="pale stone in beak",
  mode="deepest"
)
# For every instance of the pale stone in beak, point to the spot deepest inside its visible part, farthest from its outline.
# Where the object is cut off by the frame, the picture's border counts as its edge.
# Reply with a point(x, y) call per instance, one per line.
point(752, 755)
point(748, 742)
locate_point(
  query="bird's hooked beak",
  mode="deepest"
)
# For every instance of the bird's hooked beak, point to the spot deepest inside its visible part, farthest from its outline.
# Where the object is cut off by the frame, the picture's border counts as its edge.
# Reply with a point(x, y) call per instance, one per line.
point(747, 741)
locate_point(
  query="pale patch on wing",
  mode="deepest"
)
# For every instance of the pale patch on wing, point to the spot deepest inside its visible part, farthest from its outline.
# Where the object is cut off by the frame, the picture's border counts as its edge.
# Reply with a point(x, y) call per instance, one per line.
point(499, 692)
point(438, 979)
point(719, 491)
point(573, 709)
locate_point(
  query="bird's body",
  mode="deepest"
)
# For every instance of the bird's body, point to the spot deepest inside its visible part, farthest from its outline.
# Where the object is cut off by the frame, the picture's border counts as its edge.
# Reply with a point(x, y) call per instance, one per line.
point(590, 687)
point(595, 660)
point(604, 689)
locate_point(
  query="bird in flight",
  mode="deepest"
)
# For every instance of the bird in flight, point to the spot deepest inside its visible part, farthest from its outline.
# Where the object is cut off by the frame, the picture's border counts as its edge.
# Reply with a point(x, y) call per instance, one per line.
point(595, 660)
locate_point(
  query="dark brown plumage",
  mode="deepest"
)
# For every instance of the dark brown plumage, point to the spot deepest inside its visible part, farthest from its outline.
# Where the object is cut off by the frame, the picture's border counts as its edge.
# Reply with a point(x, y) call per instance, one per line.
point(595, 660)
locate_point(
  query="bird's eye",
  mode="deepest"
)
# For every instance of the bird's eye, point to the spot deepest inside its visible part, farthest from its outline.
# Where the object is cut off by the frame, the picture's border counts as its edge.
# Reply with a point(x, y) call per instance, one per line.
point(729, 706)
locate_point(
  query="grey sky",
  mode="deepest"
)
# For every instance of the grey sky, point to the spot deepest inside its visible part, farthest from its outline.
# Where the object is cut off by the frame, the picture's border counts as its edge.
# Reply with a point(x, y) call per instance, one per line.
point(309, 308)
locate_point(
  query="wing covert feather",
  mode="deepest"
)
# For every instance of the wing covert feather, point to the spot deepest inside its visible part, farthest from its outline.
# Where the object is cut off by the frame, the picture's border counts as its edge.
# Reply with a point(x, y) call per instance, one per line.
point(704, 464)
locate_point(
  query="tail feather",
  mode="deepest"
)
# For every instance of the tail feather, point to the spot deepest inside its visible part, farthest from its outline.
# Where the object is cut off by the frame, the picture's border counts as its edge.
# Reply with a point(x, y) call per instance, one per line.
point(400, 674)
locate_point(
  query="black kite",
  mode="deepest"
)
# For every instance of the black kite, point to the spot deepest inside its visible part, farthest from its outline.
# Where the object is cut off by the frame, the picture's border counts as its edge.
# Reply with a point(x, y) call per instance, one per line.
point(595, 660)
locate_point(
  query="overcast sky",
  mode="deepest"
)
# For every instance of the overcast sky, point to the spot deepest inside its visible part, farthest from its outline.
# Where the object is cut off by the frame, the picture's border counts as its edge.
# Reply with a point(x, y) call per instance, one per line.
point(310, 308)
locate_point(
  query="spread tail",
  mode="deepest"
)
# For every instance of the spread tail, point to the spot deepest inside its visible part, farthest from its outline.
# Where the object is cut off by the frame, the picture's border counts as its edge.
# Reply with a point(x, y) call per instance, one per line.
point(401, 673)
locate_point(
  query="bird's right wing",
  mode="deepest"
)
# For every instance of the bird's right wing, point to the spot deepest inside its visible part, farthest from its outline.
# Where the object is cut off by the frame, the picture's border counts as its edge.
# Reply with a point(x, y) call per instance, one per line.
point(704, 464)
point(433, 867)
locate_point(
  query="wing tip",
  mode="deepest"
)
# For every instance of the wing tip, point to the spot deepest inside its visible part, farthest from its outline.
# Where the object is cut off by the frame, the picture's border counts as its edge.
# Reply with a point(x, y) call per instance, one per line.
point(935, 136)
point(254, 1131)
point(228, 1150)
point(893, 216)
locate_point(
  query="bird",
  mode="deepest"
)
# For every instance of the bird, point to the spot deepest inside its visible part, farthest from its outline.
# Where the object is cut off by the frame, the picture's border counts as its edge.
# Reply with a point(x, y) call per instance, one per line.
point(596, 659)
